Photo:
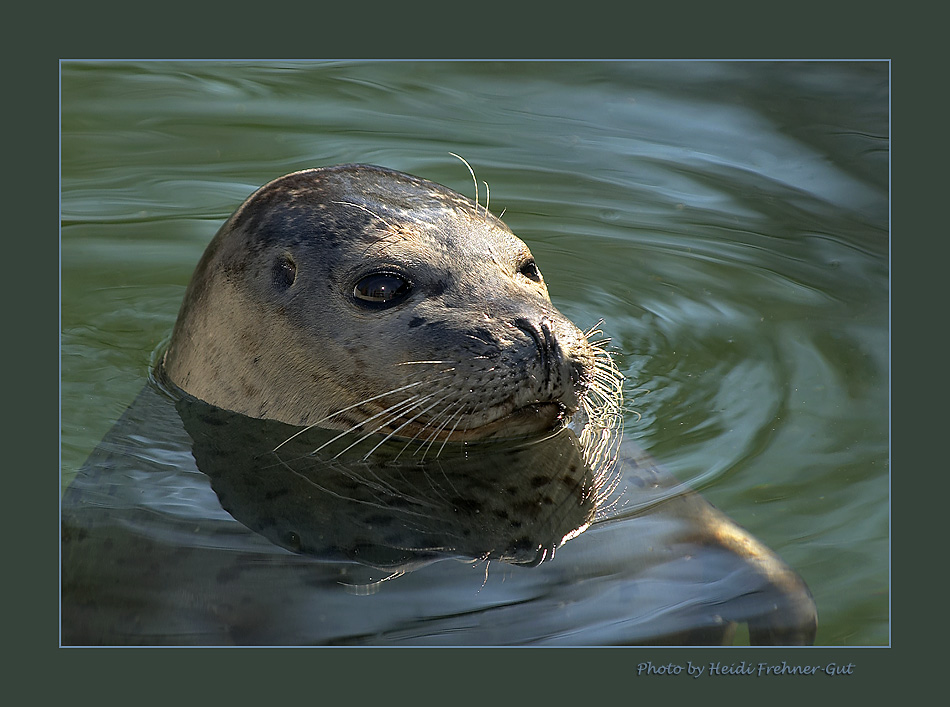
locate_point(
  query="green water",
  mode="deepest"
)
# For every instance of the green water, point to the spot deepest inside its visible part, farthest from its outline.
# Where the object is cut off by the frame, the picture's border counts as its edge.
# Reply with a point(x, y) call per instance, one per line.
point(728, 221)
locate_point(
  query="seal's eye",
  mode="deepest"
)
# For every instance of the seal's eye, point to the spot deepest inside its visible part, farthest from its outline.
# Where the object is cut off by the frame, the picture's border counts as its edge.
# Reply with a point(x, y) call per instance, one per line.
point(284, 272)
point(382, 288)
point(530, 271)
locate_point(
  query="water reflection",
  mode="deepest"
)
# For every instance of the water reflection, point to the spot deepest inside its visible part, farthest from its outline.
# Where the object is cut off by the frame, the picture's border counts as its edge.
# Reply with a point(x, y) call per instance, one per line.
point(192, 525)
point(395, 509)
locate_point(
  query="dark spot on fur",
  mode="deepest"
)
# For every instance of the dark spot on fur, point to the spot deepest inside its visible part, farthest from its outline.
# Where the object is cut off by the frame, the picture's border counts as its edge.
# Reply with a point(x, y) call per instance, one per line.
point(526, 507)
point(466, 505)
point(416, 321)
point(250, 390)
point(538, 481)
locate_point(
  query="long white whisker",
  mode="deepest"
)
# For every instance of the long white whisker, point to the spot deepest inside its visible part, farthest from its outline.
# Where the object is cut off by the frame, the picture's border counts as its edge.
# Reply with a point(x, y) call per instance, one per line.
point(472, 172)
point(370, 212)
point(407, 404)
point(409, 421)
point(594, 329)
point(414, 363)
point(449, 435)
point(422, 429)
point(432, 437)
point(350, 407)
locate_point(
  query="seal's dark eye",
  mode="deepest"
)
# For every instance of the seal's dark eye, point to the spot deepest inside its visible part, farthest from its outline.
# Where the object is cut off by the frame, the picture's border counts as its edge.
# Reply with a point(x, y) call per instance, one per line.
point(382, 288)
point(530, 271)
point(284, 272)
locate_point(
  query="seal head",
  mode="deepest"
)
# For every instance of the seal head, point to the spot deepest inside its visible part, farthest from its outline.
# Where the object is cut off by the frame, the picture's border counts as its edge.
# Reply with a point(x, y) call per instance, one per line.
point(357, 297)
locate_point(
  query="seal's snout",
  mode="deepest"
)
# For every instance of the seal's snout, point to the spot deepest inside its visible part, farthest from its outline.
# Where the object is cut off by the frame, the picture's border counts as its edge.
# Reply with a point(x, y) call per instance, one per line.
point(562, 366)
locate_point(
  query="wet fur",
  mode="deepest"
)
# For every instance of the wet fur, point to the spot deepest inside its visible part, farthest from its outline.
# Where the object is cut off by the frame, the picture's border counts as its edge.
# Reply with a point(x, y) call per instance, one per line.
point(269, 326)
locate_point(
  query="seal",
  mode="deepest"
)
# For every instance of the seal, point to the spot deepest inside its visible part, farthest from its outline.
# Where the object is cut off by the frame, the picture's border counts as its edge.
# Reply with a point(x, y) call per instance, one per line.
point(364, 299)
point(360, 299)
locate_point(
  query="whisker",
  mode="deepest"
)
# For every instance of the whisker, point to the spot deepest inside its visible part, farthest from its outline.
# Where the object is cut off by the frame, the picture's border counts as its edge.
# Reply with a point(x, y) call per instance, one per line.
point(413, 363)
point(472, 172)
point(381, 486)
point(410, 420)
point(449, 435)
point(369, 211)
point(600, 345)
point(350, 407)
point(405, 405)
point(425, 427)
point(434, 435)
point(408, 404)
point(594, 329)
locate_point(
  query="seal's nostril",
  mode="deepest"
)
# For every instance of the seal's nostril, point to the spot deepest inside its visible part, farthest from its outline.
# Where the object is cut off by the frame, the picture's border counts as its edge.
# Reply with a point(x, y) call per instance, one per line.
point(550, 353)
point(550, 340)
point(541, 336)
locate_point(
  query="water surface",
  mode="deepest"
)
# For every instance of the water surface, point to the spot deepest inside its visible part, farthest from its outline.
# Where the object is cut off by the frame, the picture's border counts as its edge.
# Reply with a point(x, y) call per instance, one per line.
point(728, 221)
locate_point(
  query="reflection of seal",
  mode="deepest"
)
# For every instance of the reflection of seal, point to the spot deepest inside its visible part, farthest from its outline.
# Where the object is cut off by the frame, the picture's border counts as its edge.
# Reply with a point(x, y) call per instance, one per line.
point(396, 510)
point(356, 297)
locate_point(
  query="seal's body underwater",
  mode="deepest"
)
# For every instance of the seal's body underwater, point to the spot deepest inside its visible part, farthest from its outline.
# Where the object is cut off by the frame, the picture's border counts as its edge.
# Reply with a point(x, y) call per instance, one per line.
point(359, 297)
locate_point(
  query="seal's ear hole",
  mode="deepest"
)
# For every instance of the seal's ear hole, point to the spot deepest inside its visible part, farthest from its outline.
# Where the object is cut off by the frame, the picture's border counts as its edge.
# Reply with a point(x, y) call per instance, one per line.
point(530, 271)
point(285, 271)
point(382, 289)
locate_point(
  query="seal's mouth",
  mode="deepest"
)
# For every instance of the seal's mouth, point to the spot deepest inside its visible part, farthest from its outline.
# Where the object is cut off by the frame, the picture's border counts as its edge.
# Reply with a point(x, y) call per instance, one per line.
point(527, 421)
point(524, 421)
